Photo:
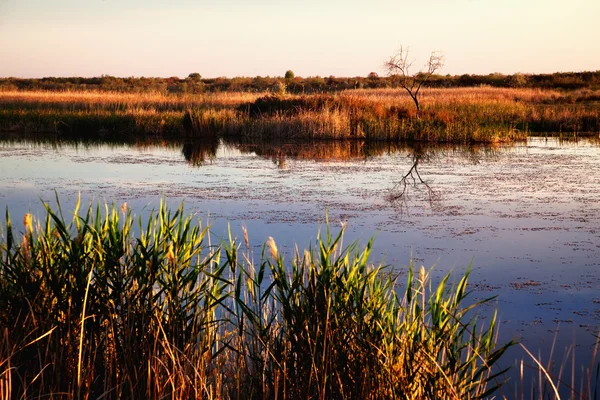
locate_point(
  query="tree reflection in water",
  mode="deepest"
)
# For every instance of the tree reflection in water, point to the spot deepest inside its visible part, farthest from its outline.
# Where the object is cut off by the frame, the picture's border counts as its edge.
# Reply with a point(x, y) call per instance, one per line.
point(199, 152)
point(410, 181)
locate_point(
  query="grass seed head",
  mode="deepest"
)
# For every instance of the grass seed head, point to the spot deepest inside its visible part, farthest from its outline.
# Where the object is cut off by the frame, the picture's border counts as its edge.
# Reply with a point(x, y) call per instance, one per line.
point(422, 274)
point(27, 221)
point(272, 247)
point(171, 254)
point(246, 240)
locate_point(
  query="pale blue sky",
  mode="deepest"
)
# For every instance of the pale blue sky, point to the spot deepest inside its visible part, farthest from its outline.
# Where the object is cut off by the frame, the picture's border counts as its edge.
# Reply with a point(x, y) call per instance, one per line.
point(267, 37)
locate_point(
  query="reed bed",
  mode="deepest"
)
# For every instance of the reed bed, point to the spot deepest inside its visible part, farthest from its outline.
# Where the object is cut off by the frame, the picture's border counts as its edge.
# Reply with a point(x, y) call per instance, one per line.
point(101, 305)
point(120, 101)
point(460, 115)
point(482, 93)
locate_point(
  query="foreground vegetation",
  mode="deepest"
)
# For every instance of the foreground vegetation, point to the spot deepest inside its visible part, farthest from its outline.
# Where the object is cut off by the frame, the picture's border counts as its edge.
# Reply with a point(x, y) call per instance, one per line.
point(464, 115)
point(94, 307)
point(91, 309)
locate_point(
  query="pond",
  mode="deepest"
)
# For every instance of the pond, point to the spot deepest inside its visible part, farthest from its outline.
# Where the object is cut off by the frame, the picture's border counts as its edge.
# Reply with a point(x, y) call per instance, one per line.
point(526, 216)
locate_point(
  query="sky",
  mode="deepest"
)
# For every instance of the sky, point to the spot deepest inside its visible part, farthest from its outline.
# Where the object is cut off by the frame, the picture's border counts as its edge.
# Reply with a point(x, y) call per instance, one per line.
point(40, 38)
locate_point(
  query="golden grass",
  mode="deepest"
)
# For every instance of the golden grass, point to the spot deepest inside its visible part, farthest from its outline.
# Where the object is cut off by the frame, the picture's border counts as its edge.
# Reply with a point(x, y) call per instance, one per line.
point(467, 94)
point(448, 115)
point(115, 100)
point(431, 96)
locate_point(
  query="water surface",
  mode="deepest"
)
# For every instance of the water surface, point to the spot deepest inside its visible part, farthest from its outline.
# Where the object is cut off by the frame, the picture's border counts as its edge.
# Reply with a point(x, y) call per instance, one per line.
point(525, 216)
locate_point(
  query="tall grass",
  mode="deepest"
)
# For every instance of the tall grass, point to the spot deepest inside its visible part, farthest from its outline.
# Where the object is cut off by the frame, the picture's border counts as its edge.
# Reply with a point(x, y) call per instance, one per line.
point(90, 113)
point(99, 306)
point(462, 115)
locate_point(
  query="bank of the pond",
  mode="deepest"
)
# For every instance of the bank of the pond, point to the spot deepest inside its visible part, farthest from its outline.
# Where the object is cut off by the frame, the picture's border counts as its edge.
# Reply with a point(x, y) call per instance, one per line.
point(465, 115)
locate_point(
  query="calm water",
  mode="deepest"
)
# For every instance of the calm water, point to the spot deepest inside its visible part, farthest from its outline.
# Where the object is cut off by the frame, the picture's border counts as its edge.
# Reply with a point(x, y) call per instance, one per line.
point(526, 216)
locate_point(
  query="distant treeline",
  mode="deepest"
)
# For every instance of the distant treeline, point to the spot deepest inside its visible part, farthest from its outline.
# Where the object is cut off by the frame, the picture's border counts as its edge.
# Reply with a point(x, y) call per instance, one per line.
point(194, 83)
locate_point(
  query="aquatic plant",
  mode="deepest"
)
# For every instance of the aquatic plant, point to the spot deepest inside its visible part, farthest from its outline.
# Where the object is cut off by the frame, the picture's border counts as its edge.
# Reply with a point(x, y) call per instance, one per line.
point(93, 306)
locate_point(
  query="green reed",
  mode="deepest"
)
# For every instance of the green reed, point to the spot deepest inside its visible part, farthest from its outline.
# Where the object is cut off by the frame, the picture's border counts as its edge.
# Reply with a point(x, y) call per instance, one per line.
point(102, 305)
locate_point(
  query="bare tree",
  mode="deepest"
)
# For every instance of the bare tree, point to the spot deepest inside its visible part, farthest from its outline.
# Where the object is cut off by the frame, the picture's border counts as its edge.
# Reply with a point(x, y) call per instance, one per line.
point(399, 64)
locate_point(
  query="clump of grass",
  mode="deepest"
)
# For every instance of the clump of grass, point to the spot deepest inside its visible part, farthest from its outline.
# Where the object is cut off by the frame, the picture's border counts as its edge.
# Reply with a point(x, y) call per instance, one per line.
point(208, 122)
point(93, 307)
point(343, 331)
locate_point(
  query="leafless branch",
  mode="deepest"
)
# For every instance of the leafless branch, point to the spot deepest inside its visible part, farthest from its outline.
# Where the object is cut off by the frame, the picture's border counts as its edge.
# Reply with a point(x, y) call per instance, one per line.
point(399, 65)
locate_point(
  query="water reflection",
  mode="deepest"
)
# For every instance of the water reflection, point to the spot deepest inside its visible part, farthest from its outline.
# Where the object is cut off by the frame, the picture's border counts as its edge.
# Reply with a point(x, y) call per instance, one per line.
point(346, 150)
point(338, 150)
point(412, 178)
point(200, 152)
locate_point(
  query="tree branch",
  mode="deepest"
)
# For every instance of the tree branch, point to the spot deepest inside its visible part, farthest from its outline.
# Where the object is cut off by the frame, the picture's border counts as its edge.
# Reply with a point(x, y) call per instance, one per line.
point(398, 64)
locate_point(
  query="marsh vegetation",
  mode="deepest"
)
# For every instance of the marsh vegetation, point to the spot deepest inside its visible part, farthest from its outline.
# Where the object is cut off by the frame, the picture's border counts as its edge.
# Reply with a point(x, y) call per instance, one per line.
point(94, 307)
point(462, 115)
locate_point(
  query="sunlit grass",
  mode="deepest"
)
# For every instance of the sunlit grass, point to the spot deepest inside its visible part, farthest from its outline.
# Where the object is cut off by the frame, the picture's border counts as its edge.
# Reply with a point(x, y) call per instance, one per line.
point(461, 115)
